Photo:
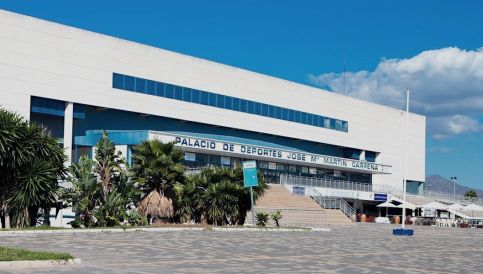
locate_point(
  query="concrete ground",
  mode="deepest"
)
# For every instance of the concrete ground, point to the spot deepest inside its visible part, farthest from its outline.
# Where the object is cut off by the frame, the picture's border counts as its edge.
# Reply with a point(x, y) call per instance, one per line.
point(361, 248)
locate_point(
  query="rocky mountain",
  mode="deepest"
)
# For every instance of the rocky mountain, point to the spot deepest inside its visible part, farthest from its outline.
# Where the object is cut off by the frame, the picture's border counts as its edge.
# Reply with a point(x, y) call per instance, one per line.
point(441, 184)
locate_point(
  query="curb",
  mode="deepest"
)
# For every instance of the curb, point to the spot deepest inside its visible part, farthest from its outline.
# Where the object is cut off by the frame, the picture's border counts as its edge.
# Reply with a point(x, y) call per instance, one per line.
point(100, 230)
point(270, 229)
point(39, 263)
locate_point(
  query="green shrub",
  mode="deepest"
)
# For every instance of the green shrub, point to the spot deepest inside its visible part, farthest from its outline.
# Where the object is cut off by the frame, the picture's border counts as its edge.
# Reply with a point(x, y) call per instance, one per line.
point(134, 218)
point(262, 218)
point(76, 223)
point(276, 216)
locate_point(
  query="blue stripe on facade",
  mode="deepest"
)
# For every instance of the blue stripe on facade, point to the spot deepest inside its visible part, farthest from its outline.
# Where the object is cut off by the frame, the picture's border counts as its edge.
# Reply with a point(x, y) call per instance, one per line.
point(141, 85)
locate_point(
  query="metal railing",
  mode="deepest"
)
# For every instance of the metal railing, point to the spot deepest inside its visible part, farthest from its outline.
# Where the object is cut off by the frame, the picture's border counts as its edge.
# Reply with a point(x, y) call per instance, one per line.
point(357, 186)
point(324, 183)
point(334, 203)
point(293, 217)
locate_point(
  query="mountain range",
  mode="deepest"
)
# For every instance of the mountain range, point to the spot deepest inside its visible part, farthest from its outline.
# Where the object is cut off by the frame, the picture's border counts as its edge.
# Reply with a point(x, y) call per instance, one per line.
point(438, 183)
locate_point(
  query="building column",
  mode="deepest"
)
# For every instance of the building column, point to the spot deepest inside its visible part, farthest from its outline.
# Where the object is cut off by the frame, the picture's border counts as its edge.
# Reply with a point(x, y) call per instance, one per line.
point(68, 126)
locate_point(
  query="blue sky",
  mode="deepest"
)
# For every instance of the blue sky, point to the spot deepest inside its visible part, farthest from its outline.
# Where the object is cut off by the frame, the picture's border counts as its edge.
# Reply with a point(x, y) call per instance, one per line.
point(435, 44)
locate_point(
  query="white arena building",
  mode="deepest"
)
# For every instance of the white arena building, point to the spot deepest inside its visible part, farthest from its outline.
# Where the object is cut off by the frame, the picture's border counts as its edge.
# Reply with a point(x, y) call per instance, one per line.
point(78, 83)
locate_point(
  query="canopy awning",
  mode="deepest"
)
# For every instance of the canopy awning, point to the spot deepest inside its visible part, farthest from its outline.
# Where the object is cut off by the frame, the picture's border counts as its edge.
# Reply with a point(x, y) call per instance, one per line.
point(434, 206)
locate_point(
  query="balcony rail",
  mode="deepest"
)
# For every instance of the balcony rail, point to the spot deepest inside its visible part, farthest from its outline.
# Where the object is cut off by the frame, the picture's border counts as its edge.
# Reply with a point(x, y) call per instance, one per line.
point(334, 203)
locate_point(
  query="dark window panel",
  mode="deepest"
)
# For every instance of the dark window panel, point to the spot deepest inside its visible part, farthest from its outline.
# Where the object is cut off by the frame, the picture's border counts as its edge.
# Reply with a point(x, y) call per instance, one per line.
point(284, 114)
point(271, 111)
point(303, 117)
point(129, 83)
point(220, 101)
point(178, 93)
point(258, 108)
point(236, 104)
point(151, 87)
point(169, 89)
point(118, 81)
point(212, 99)
point(195, 96)
point(204, 97)
point(140, 85)
point(297, 116)
point(251, 107)
point(187, 94)
point(291, 115)
point(265, 110)
point(228, 102)
point(160, 89)
point(278, 112)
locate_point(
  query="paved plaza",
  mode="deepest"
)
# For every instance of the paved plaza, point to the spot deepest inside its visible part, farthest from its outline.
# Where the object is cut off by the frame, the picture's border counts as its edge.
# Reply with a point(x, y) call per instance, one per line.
point(360, 248)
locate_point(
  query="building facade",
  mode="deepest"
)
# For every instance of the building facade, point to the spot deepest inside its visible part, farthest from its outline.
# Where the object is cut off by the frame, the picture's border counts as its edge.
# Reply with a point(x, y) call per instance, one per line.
point(77, 83)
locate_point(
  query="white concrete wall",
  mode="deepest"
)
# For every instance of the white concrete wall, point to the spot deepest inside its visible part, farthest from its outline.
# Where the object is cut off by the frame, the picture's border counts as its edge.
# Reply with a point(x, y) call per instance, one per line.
point(50, 60)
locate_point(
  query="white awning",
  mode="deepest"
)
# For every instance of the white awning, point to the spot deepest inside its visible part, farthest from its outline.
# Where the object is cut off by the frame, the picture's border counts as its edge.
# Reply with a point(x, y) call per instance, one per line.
point(387, 204)
point(434, 206)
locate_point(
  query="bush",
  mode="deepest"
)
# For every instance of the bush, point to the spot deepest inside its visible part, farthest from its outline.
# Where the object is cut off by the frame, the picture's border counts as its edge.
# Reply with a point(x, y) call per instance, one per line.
point(76, 223)
point(262, 218)
point(276, 216)
point(134, 218)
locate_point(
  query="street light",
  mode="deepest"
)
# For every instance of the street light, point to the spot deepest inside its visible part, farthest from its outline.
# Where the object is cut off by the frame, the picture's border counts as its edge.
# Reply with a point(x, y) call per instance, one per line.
point(405, 161)
point(454, 186)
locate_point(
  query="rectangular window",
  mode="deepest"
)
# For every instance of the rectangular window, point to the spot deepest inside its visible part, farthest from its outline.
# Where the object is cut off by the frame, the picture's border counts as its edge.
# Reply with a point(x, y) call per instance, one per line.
point(140, 85)
point(160, 89)
point(129, 83)
point(236, 104)
point(297, 116)
point(169, 91)
point(250, 107)
point(303, 117)
point(284, 114)
point(118, 81)
point(278, 112)
point(309, 119)
point(220, 101)
point(271, 111)
point(338, 125)
point(265, 110)
point(178, 93)
point(345, 126)
point(327, 122)
point(204, 97)
point(258, 108)
point(332, 124)
point(243, 105)
point(195, 96)
point(212, 99)
point(291, 115)
point(151, 87)
point(320, 122)
point(187, 94)
point(228, 102)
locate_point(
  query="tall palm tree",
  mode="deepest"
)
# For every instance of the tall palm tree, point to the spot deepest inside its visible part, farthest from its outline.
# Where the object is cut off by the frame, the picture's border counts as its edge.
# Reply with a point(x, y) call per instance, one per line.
point(157, 167)
point(31, 164)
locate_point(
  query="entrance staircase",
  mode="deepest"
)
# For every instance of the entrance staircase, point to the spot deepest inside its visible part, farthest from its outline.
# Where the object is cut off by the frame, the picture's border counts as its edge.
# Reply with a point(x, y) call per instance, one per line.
point(297, 210)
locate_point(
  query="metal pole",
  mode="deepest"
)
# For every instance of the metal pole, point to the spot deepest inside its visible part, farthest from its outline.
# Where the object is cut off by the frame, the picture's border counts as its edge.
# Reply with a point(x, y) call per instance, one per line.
point(253, 208)
point(405, 162)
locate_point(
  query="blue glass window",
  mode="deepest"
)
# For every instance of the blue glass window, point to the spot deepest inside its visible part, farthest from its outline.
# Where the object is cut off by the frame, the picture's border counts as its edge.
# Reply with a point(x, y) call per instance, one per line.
point(250, 107)
point(212, 99)
point(140, 85)
point(169, 91)
point(220, 101)
point(129, 83)
point(271, 111)
point(178, 93)
point(204, 97)
point(151, 87)
point(236, 104)
point(243, 105)
point(160, 89)
point(278, 112)
point(195, 96)
point(297, 116)
point(118, 81)
point(228, 102)
point(258, 108)
point(187, 94)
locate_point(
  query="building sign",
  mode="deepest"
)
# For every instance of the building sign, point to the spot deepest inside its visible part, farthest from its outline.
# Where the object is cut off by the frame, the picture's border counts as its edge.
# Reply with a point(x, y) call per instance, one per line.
point(271, 153)
point(380, 197)
point(250, 177)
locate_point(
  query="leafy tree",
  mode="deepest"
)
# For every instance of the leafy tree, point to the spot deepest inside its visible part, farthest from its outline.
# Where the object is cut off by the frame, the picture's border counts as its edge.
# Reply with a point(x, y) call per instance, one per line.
point(108, 164)
point(157, 168)
point(216, 196)
point(471, 194)
point(31, 164)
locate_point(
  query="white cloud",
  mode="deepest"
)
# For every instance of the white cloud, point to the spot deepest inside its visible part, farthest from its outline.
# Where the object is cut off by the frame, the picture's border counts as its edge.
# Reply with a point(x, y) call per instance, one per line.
point(447, 87)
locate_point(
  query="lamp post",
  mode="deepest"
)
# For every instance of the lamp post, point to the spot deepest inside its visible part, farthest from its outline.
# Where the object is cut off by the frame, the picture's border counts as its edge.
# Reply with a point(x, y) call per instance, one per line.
point(454, 186)
point(405, 161)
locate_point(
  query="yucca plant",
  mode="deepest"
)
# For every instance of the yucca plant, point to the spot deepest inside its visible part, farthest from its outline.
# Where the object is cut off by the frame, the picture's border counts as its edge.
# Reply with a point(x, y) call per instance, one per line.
point(276, 216)
point(261, 218)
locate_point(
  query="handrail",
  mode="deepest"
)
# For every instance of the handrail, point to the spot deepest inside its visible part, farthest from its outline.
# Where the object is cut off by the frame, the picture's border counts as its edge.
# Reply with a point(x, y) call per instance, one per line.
point(334, 203)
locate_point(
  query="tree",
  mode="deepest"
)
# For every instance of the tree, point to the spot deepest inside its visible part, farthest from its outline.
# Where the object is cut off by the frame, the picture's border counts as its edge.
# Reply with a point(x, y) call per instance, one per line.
point(108, 164)
point(31, 164)
point(216, 196)
point(471, 194)
point(157, 168)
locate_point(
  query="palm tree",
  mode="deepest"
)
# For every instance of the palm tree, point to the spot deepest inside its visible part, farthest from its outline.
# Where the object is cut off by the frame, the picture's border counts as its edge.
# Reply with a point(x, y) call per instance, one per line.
point(157, 167)
point(31, 164)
